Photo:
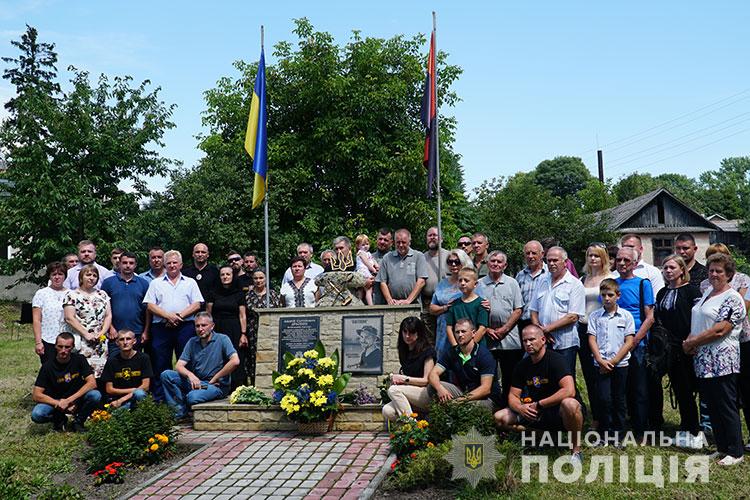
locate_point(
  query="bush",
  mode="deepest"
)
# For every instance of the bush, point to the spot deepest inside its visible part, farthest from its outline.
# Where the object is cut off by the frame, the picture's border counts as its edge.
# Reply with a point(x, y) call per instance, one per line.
point(61, 492)
point(409, 435)
point(428, 468)
point(124, 436)
point(10, 487)
point(447, 419)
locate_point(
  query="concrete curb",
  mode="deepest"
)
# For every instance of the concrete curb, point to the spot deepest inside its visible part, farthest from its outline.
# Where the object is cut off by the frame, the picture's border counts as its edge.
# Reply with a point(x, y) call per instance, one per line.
point(136, 489)
point(378, 479)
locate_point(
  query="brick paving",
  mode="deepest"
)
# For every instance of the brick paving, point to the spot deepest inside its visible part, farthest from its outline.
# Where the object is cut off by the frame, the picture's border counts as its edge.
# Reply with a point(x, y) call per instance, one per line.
point(274, 465)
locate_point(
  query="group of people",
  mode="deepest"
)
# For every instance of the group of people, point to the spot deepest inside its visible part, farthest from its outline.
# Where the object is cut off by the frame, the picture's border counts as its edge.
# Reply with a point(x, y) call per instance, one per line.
point(475, 318)
point(627, 322)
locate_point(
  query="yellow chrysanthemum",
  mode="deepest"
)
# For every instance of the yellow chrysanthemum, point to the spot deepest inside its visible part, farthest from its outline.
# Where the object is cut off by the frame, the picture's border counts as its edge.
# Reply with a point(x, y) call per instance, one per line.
point(326, 362)
point(154, 447)
point(311, 354)
point(320, 401)
point(305, 372)
point(294, 362)
point(151, 441)
point(325, 380)
point(422, 424)
point(284, 379)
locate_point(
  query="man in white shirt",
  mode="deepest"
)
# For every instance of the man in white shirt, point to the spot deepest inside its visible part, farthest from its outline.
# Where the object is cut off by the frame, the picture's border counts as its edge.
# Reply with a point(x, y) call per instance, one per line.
point(86, 255)
point(312, 270)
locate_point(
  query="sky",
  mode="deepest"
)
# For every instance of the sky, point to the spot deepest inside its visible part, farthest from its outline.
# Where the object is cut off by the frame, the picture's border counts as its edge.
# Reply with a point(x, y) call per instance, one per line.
point(658, 86)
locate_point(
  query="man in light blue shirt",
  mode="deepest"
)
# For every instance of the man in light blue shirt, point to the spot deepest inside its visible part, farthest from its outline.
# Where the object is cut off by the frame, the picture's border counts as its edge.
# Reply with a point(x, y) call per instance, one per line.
point(156, 264)
point(172, 301)
point(203, 370)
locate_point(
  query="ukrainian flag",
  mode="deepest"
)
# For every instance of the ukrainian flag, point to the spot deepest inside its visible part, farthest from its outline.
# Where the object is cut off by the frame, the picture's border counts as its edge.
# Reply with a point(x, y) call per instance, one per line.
point(256, 141)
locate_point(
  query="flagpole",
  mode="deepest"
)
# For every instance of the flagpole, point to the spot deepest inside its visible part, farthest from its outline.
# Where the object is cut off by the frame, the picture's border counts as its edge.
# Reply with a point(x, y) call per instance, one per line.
point(437, 156)
point(265, 212)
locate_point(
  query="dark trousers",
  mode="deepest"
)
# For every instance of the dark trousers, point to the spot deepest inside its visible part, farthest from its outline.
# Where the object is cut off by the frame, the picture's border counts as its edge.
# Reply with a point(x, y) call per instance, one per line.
point(720, 395)
point(166, 342)
point(685, 385)
point(611, 389)
point(638, 384)
point(429, 320)
point(744, 380)
point(570, 359)
point(590, 372)
point(522, 323)
point(49, 352)
point(508, 358)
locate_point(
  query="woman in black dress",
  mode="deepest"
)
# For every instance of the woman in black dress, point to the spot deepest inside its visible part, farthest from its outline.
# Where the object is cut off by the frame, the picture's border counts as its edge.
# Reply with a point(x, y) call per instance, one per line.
point(674, 303)
point(227, 306)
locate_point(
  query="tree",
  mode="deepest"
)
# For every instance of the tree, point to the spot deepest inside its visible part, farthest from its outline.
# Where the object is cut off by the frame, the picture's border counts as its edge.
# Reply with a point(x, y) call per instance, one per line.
point(70, 155)
point(515, 210)
point(727, 191)
point(562, 176)
point(345, 148)
point(683, 187)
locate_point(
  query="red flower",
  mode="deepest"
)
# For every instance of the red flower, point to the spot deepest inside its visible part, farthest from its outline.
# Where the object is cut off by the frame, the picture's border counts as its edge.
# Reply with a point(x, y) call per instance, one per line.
point(413, 455)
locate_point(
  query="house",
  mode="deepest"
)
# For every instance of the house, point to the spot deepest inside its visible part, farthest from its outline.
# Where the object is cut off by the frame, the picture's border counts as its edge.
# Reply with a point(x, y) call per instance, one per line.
point(731, 232)
point(657, 217)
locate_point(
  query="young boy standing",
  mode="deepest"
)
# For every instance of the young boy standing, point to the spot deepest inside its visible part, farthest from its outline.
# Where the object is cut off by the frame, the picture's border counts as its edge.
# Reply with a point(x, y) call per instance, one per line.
point(469, 306)
point(611, 333)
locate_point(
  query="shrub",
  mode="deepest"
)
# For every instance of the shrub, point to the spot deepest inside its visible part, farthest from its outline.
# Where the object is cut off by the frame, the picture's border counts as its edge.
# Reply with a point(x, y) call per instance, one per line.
point(447, 419)
point(125, 435)
point(409, 435)
point(428, 468)
point(61, 492)
point(10, 487)
point(247, 394)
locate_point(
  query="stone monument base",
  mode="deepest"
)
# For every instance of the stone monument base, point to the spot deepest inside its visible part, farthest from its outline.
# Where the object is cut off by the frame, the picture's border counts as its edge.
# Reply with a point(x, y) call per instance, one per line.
point(222, 416)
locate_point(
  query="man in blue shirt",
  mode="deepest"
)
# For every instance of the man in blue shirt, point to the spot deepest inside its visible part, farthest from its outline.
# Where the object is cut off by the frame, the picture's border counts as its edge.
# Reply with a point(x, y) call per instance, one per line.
point(636, 295)
point(472, 371)
point(202, 372)
point(126, 291)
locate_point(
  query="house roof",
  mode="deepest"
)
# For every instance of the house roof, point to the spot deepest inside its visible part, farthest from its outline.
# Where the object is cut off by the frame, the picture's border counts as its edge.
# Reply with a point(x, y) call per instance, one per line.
point(618, 216)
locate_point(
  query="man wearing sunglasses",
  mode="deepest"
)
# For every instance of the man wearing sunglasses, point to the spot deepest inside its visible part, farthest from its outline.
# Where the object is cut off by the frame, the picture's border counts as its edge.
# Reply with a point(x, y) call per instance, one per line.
point(244, 281)
point(464, 243)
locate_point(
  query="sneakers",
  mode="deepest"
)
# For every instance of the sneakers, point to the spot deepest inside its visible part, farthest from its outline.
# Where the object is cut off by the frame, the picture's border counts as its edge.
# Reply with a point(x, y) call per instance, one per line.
point(685, 439)
point(747, 446)
point(60, 425)
point(78, 426)
point(715, 455)
point(729, 460)
point(577, 458)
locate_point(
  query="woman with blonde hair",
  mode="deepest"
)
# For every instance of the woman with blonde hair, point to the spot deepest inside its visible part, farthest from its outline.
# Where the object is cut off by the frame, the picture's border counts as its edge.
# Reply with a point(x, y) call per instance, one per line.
point(446, 292)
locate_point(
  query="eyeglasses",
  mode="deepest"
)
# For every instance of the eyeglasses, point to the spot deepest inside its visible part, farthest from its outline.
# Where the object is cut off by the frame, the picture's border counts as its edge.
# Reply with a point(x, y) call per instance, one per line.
point(453, 262)
point(464, 243)
point(234, 259)
point(623, 259)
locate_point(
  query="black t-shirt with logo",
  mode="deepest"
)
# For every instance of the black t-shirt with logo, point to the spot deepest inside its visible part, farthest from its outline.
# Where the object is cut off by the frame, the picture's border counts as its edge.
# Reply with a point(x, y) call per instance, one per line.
point(539, 380)
point(127, 373)
point(63, 380)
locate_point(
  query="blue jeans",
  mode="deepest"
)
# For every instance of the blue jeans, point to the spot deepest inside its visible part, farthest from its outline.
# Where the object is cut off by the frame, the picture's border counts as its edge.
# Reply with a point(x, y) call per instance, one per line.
point(165, 342)
point(138, 395)
point(610, 396)
point(638, 389)
point(180, 395)
point(570, 359)
point(43, 413)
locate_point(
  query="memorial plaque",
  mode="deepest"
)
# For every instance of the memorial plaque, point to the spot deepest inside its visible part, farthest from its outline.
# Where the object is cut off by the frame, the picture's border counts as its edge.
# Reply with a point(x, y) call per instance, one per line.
point(362, 344)
point(297, 335)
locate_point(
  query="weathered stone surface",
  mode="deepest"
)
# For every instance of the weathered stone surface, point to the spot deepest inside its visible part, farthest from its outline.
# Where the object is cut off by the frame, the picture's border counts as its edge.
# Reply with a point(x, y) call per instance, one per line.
point(210, 416)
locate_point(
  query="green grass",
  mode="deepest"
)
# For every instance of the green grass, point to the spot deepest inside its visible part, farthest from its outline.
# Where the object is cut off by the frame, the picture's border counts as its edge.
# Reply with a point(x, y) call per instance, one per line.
point(38, 452)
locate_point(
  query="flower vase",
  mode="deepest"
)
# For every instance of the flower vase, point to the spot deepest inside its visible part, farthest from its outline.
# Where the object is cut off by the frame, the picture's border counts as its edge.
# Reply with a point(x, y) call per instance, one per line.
point(313, 428)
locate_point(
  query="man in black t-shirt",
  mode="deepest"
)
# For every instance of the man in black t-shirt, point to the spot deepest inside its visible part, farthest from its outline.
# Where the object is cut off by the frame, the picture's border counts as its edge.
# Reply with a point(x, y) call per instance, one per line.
point(127, 376)
point(65, 385)
point(543, 392)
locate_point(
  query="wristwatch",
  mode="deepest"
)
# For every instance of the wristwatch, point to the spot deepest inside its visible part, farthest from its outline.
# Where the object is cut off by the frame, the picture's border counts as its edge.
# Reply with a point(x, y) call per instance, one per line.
point(406, 380)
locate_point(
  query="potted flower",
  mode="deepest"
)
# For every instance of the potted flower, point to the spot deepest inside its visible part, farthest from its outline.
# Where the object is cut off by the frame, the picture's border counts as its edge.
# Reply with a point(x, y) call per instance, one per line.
point(308, 388)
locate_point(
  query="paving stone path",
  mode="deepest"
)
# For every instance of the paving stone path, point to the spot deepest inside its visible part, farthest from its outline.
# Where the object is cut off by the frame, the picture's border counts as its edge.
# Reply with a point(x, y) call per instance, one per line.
point(274, 465)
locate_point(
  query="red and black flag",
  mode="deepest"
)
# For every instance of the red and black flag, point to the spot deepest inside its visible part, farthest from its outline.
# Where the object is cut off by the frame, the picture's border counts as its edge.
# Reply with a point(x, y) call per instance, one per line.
point(429, 119)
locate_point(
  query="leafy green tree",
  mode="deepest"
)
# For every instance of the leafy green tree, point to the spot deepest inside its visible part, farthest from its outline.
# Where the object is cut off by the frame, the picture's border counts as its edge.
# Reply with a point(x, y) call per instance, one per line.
point(562, 176)
point(727, 190)
point(345, 149)
point(683, 187)
point(70, 157)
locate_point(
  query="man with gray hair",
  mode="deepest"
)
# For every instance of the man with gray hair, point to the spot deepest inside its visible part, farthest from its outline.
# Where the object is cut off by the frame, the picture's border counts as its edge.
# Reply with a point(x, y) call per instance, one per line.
point(203, 370)
point(437, 269)
point(636, 296)
point(559, 301)
point(643, 269)
point(529, 276)
point(403, 272)
point(172, 300)
point(312, 270)
point(502, 298)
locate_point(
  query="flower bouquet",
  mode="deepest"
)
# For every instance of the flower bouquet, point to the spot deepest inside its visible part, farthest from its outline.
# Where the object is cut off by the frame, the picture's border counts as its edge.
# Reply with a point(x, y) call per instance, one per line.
point(247, 394)
point(308, 389)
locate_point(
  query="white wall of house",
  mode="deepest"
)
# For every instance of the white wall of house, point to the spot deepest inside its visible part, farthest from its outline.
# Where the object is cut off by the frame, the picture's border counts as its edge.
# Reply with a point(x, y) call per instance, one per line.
point(701, 240)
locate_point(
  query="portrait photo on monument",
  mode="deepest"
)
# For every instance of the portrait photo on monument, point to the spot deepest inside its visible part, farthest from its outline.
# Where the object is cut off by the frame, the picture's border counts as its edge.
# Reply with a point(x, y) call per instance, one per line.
point(362, 344)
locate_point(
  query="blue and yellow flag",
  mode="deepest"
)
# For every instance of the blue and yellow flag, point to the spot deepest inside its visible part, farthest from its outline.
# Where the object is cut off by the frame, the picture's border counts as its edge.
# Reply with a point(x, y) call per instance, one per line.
point(256, 141)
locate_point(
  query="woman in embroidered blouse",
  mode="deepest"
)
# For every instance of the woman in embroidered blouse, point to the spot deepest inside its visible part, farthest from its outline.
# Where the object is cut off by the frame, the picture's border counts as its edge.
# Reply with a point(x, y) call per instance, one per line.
point(47, 312)
point(674, 304)
point(256, 299)
point(716, 322)
point(408, 388)
point(88, 315)
point(300, 291)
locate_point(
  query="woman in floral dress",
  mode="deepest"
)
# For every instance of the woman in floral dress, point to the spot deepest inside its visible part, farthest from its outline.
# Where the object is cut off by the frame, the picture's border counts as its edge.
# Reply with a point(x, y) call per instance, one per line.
point(88, 315)
point(256, 299)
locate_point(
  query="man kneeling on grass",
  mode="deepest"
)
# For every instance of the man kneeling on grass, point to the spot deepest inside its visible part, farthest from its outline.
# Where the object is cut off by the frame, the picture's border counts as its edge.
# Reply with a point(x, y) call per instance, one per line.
point(65, 386)
point(542, 392)
point(202, 372)
point(471, 369)
point(127, 375)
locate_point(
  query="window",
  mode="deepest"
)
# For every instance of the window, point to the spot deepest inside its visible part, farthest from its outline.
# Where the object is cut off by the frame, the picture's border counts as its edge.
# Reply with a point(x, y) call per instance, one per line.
point(662, 248)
